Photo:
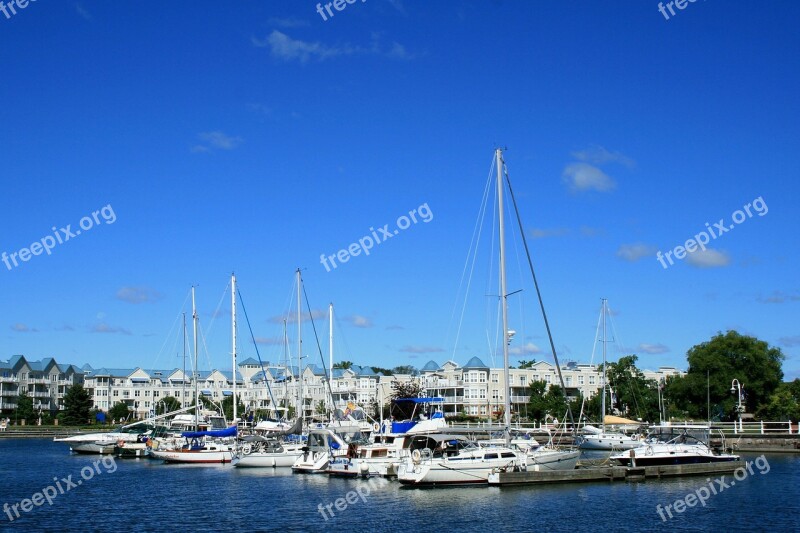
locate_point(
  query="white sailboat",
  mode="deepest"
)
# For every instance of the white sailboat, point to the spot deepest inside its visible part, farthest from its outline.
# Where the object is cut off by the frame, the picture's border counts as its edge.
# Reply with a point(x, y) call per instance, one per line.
point(206, 446)
point(602, 439)
point(451, 460)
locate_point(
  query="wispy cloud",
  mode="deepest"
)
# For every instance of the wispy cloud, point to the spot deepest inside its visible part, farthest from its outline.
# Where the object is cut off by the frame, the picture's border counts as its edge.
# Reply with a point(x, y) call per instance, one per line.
point(778, 297)
point(289, 22)
point(597, 155)
point(708, 258)
point(270, 341)
point(23, 328)
point(653, 348)
point(543, 233)
point(581, 177)
point(359, 321)
point(286, 48)
point(790, 342)
point(394, 327)
point(138, 295)
point(420, 349)
point(218, 140)
point(291, 318)
point(105, 328)
point(634, 252)
point(525, 349)
point(82, 11)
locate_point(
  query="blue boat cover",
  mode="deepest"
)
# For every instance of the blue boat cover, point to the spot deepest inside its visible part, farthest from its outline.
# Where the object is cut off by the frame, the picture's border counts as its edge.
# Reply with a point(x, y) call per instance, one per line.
point(227, 432)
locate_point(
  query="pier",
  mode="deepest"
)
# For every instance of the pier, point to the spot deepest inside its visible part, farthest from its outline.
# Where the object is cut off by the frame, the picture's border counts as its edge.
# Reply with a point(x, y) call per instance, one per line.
point(611, 473)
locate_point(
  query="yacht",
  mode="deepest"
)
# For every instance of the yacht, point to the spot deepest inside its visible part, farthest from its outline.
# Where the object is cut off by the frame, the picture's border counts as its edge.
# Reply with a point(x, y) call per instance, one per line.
point(673, 445)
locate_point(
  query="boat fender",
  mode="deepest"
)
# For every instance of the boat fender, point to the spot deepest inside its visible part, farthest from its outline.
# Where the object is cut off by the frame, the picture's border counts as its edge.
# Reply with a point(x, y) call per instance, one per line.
point(376, 427)
point(649, 450)
point(121, 443)
point(416, 456)
point(247, 448)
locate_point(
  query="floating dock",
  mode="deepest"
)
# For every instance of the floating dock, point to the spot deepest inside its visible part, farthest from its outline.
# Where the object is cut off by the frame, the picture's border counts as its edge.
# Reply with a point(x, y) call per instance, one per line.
point(611, 473)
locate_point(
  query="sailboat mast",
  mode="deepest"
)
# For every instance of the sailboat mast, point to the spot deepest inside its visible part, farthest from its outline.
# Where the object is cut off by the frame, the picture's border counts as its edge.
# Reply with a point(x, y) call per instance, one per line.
point(301, 408)
point(504, 295)
point(603, 400)
point(183, 383)
point(196, 371)
point(233, 342)
point(330, 344)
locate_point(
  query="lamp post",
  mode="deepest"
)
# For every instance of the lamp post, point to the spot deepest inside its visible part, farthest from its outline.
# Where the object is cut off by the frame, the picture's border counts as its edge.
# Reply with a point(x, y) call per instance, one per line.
point(736, 387)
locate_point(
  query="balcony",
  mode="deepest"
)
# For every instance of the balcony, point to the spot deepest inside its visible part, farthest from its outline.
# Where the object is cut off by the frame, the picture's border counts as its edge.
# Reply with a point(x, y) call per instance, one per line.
point(38, 381)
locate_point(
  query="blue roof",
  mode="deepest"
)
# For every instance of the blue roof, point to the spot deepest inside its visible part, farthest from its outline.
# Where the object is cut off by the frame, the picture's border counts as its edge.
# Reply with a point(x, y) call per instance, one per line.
point(366, 371)
point(475, 363)
point(249, 361)
point(430, 366)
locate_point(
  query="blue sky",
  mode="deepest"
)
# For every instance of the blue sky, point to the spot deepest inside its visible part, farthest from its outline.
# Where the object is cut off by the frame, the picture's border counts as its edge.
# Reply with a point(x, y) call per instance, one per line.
point(255, 136)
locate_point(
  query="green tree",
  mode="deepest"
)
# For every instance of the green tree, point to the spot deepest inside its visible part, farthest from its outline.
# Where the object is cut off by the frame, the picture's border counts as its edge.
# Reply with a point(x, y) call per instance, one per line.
point(713, 365)
point(405, 369)
point(119, 412)
point(343, 365)
point(634, 396)
point(545, 401)
point(527, 364)
point(227, 408)
point(320, 408)
point(783, 404)
point(167, 404)
point(77, 404)
point(24, 410)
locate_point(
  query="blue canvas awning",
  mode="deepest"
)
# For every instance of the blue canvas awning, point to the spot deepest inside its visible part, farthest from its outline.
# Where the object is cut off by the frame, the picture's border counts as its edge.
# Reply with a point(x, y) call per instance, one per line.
point(206, 392)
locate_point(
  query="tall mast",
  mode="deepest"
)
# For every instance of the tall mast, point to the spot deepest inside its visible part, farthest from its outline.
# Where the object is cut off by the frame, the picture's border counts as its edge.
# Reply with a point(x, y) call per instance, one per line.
point(183, 383)
point(196, 371)
point(504, 294)
point(603, 401)
point(299, 348)
point(330, 344)
point(233, 336)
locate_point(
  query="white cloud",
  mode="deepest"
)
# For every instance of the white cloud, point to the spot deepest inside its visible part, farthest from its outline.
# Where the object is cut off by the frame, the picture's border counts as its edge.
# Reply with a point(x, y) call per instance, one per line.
point(707, 258)
point(653, 348)
point(420, 349)
point(634, 252)
point(584, 177)
point(525, 349)
point(359, 321)
point(217, 139)
point(284, 47)
point(598, 155)
point(105, 328)
point(23, 328)
point(138, 295)
point(83, 12)
point(541, 233)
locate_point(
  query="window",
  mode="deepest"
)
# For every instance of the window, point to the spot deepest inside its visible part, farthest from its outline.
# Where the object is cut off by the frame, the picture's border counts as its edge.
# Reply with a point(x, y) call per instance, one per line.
point(482, 394)
point(494, 378)
point(580, 380)
point(495, 394)
point(482, 378)
point(523, 380)
point(116, 393)
point(137, 393)
point(547, 378)
point(568, 381)
point(591, 380)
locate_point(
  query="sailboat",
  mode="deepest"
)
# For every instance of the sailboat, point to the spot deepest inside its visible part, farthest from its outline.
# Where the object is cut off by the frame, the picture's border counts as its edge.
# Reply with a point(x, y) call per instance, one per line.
point(601, 439)
point(442, 459)
point(215, 446)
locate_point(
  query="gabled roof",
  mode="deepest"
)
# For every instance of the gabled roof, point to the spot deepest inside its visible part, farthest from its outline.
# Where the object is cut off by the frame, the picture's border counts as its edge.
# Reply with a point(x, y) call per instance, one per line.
point(249, 362)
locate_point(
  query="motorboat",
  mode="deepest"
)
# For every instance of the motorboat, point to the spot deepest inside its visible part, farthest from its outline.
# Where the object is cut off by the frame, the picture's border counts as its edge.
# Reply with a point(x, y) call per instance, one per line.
point(673, 445)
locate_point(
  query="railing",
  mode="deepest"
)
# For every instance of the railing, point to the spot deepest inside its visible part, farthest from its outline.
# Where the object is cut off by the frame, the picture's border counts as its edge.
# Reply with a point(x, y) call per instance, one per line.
point(755, 427)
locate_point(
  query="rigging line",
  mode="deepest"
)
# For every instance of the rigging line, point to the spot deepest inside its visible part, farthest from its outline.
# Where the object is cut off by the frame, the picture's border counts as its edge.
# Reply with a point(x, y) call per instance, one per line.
point(319, 348)
point(473, 250)
point(539, 295)
point(620, 347)
point(264, 372)
point(169, 333)
point(591, 361)
point(214, 317)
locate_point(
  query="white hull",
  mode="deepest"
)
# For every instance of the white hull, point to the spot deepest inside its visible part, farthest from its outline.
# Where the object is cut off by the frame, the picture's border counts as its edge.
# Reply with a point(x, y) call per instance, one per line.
point(546, 459)
point(193, 456)
point(446, 472)
point(267, 460)
point(609, 442)
point(311, 463)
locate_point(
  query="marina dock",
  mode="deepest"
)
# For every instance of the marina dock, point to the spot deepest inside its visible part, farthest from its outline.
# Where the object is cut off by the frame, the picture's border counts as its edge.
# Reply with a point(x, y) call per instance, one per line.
point(611, 473)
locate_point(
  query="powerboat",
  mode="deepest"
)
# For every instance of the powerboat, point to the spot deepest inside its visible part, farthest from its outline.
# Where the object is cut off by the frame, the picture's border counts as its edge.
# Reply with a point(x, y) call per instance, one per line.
point(673, 445)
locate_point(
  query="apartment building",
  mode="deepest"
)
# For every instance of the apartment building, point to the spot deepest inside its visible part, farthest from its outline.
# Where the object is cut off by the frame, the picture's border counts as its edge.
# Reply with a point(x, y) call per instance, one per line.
point(45, 381)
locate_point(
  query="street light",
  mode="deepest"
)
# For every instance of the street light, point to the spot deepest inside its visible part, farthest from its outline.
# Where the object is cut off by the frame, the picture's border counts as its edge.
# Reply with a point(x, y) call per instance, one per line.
point(737, 387)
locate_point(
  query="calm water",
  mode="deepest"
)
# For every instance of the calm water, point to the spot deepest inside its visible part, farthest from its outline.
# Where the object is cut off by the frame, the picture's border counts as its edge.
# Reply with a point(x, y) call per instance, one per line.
point(144, 495)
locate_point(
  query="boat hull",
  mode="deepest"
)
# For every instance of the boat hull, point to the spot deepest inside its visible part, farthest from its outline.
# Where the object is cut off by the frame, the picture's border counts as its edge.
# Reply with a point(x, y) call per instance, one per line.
point(193, 456)
point(266, 460)
point(608, 442)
